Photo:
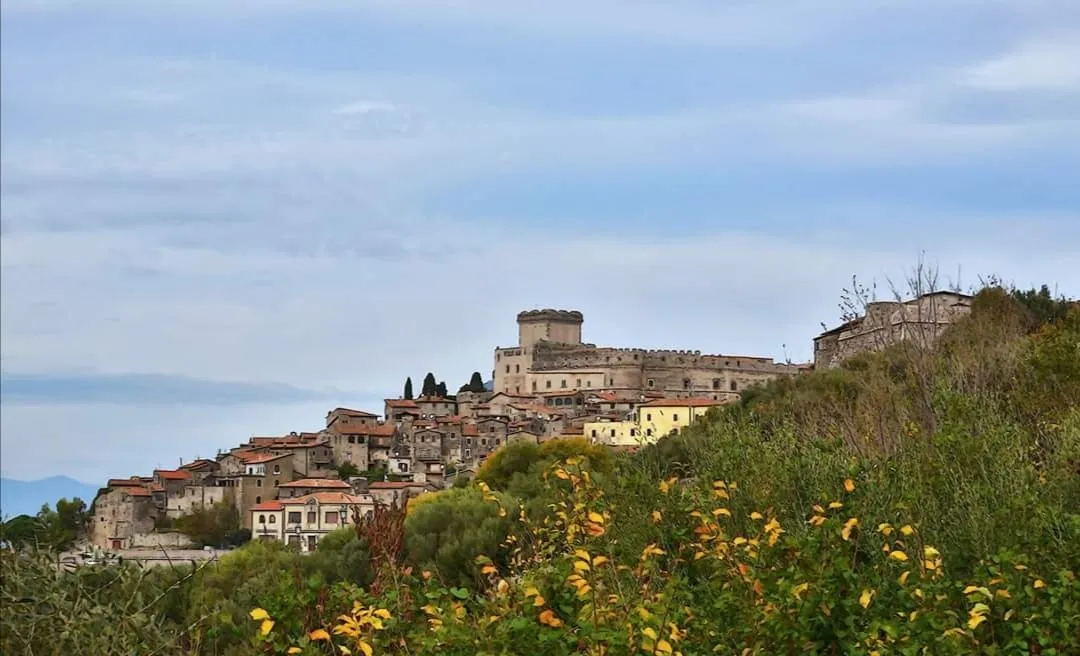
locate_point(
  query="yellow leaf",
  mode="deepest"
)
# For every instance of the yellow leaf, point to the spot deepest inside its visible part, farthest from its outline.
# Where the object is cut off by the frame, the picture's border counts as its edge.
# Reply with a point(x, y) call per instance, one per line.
point(531, 591)
point(800, 589)
point(581, 566)
point(975, 620)
point(849, 485)
point(266, 627)
point(756, 515)
point(259, 614)
point(817, 520)
point(582, 554)
point(539, 601)
point(907, 530)
point(1039, 583)
point(848, 526)
point(599, 560)
point(319, 634)
point(1002, 594)
point(562, 474)
point(583, 590)
point(650, 633)
point(721, 511)
point(865, 597)
point(364, 647)
point(656, 516)
point(294, 650)
point(930, 552)
point(885, 529)
point(898, 555)
point(502, 586)
point(663, 647)
point(836, 505)
point(904, 577)
point(345, 650)
point(643, 613)
point(596, 517)
point(488, 569)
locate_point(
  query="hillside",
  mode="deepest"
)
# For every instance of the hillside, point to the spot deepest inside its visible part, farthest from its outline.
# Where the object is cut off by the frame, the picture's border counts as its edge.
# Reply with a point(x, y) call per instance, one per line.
point(924, 499)
point(27, 497)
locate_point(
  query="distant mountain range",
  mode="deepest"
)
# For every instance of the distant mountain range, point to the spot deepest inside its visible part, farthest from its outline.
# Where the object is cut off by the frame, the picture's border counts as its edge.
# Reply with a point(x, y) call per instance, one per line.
point(27, 497)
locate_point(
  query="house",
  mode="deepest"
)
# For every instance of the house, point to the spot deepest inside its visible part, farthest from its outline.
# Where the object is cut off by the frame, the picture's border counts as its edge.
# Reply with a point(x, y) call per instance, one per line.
point(399, 409)
point(201, 469)
point(568, 400)
point(613, 433)
point(499, 404)
point(306, 486)
point(397, 493)
point(361, 444)
point(435, 406)
point(257, 480)
point(302, 521)
point(522, 435)
point(341, 420)
point(122, 509)
point(661, 417)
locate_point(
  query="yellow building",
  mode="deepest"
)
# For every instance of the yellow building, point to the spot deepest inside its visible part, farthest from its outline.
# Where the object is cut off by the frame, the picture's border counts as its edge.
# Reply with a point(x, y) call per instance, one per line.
point(661, 417)
point(613, 433)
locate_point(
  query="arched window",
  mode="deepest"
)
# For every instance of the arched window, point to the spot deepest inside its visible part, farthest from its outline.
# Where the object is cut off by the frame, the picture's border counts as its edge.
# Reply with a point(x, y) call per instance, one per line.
point(273, 519)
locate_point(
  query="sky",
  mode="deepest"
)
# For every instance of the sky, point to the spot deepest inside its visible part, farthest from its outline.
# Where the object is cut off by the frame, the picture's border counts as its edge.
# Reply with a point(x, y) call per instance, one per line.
point(225, 218)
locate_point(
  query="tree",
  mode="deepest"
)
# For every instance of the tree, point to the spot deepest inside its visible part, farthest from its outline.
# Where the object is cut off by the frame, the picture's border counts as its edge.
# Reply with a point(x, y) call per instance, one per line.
point(20, 531)
point(347, 470)
point(216, 525)
point(440, 390)
point(408, 389)
point(429, 388)
point(62, 527)
point(476, 383)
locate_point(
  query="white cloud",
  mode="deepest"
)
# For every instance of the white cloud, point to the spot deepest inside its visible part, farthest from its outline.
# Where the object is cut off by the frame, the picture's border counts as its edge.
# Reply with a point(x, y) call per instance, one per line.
point(1042, 65)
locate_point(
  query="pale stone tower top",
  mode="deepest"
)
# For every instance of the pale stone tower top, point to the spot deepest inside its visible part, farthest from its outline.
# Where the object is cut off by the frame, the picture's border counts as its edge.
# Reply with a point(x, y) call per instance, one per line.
point(562, 326)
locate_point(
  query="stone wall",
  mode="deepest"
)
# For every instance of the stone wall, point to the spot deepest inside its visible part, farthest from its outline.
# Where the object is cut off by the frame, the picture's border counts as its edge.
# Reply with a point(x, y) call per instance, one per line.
point(162, 540)
point(118, 515)
point(190, 498)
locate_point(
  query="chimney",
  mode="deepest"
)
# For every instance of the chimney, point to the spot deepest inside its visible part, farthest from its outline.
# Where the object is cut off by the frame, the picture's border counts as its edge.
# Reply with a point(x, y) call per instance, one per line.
point(359, 484)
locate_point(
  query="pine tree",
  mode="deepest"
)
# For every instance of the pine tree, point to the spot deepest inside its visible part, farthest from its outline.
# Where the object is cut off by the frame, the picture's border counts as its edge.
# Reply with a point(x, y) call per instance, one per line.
point(476, 383)
point(429, 388)
point(440, 390)
point(408, 388)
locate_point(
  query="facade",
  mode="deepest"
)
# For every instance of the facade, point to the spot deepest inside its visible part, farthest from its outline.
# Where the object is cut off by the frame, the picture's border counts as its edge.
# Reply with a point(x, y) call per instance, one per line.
point(550, 357)
point(663, 417)
point(306, 486)
point(123, 509)
point(614, 433)
point(303, 521)
point(920, 321)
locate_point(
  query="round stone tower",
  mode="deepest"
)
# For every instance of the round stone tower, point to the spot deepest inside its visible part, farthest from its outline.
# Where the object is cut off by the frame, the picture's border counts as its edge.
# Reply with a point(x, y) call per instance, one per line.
point(561, 326)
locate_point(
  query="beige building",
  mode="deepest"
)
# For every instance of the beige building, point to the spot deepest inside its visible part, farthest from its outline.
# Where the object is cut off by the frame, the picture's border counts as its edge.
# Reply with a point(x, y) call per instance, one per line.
point(123, 509)
point(920, 321)
point(550, 357)
point(306, 486)
point(303, 521)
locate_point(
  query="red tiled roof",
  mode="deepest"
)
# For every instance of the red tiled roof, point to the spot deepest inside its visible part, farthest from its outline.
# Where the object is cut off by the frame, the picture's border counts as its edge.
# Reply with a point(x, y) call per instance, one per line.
point(683, 403)
point(156, 488)
point(326, 497)
point(470, 429)
point(349, 412)
point(401, 403)
point(138, 491)
point(393, 485)
point(327, 483)
point(433, 399)
point(201, 463)
point(267, 506)
point(259, 458)
point(607, 397)
point(124, 482)
point(172, 474)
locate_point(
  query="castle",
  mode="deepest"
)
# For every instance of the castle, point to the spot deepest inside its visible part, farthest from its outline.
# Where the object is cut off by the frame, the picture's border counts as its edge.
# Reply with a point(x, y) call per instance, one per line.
point(550, 356)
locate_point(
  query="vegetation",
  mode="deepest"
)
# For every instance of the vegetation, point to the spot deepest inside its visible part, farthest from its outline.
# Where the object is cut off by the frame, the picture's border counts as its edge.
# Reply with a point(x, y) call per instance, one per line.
point(215, 526)
point(430, 387)
point(57, 529)
point(914, 501)
point(408, 389)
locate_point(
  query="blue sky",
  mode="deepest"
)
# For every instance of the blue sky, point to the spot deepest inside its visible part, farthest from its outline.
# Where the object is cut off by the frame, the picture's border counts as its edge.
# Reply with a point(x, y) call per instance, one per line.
point(225, 218)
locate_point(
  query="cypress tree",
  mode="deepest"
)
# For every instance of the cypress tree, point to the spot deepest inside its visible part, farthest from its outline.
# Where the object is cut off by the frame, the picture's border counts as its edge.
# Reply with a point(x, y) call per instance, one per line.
point(408, 388)
point(476, 383)
point(429, 388)
point(440, 390)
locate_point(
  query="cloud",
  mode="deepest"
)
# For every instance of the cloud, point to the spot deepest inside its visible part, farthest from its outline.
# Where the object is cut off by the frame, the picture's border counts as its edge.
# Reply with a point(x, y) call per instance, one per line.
point(1039, 65)
point(145, 389)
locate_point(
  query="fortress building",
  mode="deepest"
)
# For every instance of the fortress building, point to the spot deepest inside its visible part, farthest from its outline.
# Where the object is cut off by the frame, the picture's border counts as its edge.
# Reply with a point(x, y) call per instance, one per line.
point(551, 358)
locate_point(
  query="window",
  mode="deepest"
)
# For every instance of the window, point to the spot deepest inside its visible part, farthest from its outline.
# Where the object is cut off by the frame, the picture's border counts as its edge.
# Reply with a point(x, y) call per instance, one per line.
point(262, 519)
point(258, 500)
point(360, 440)
point(648, 432)
point(613, 432)
point(468, 453)
point(648, 417)
point(611, 381)
point(517, 390)
point(734, 386)
point(563, 384)
point(507, 368)
point(633, 431)
point(675, 417)
point(311, 517)
point(352, 439)
point(650, 383)
point(579, 383)
point(517, 368)
point(588, 383)
point(534, 385)
point(594, 432)
point(273, 519)
point(258, 482)
point(331, 518)
point(294, 518)
point(716, 383)
point(686, 383)
point(277, 469)
point(547, 384)
point(483, 441)
point(277, 482)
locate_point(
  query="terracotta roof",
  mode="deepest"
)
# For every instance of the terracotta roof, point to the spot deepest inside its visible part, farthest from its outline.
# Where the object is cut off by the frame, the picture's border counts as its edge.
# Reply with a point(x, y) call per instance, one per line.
point(682, 403)
point(349, 412)
point(260, 458)
point(449, 419)
point(327, 483)
point(511, 396)
point(138, 491)
point(517, 432)
point(156, 488)
point(326, 497)
point(606, 397)
point(124, 482)
point(172, 474)
point(401, 403)
point(393, 485)
point(434, 399)
point(470, 429)
point(267, 506)
point(571, 392)
point(201, 463)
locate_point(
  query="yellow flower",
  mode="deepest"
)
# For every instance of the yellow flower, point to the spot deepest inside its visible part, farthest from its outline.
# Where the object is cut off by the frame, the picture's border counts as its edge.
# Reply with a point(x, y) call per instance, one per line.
point(649, 633)
point(665, 486)
point(259, 614)
point(904, 577)
point(885, 529)
point(849, 485)
point(865, 597)
point(581, 566)
point(319, 634)
point(1039, 583)
point(599, 560)
point(907, 530)
point(849, 525)
point(816, 520)
point(898, 555)
point(836, 505)
point(930, 552)
point(539, 601)
point(663, 647)
point(756, 515)
point(596, 518)
point(721, 511)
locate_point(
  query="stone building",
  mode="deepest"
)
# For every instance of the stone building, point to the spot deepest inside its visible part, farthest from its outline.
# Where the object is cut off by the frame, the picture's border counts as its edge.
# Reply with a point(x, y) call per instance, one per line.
point(919, 320)
point(550, 357)
point(123, 509)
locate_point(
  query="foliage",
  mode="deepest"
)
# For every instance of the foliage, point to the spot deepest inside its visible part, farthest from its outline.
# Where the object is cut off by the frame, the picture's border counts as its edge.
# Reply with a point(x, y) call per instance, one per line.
point(217, 526)
point(408, 389)
point(20, 532)
point(440, 390)
point(347, 470)
point(476, 383)
point(430, 387)
point(56, 529)
point(500, 468)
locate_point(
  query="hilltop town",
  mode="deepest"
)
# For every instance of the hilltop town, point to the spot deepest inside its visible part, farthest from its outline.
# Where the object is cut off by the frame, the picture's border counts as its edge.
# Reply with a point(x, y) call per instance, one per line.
point(298, 487)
